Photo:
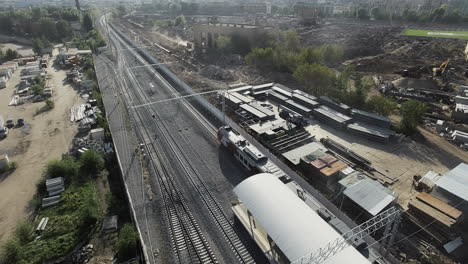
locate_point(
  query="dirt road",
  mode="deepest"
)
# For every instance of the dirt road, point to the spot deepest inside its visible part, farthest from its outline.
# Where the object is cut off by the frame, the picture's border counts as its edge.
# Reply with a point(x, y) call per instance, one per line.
point(44, 137)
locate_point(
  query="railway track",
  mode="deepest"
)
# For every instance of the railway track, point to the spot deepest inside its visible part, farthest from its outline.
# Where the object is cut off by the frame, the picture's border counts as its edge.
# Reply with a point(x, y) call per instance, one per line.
point(188, 241)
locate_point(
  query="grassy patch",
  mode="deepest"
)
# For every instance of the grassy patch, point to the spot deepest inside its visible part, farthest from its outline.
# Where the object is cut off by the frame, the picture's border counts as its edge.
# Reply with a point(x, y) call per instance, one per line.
point(436, 33)
point(69, 223)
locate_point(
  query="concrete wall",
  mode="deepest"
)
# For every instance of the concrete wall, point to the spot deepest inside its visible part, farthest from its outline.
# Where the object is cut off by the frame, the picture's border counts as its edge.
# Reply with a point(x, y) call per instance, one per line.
point(206, 34)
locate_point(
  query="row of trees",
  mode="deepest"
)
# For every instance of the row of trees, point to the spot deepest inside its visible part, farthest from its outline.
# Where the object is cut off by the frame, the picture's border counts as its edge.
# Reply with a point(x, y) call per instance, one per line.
point(284, 53)
point(51, 23)
point(9, 54)
point(310, 66)
point(439, 15)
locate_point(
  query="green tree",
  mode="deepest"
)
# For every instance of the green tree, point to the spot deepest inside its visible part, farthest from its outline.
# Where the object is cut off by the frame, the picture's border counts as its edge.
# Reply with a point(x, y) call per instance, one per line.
point(224, 44)
point(127, 242)
point(87, 22)
point(36, 13)
point(382, 105)
point(259, 57)
point(377, 13)
point(47, 28)
point(67, 167)
point(91, 162)
point(11, 54)
point(319, 79)
point(331, 53)
point(38, 45)
point(410, 15)
point(6, 24)
point(362, 13)
point(64, 30)
point(180, 21)
point(121, 10)
point(412, 112)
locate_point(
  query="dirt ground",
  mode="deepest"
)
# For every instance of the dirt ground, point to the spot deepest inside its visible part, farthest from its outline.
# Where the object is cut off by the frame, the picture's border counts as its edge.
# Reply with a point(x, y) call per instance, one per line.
point(44, 137)
point(399, 161)
point(24, 51)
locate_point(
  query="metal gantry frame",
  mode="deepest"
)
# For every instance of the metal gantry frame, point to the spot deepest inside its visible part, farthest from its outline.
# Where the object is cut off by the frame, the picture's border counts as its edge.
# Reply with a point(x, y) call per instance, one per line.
point(389, 219)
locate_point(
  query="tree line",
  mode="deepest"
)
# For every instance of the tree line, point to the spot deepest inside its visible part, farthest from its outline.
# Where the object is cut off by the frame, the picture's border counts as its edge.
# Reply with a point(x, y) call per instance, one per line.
point(311, 66)
point(39, 22)
point(438, 15)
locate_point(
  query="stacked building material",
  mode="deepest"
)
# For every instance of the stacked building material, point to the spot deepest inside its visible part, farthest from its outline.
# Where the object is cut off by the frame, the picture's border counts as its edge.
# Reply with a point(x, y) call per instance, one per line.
point(50, 201)
point(305, 101)
point(276, 97)
point(311, 97)
point(258, 112)
point(332, 117)
point(370, 118)
point(373, 133)
point(283, 90)
point(260, 90)
point(342, 108)
point(298, 108)
point(55, 186)
point(427, 206)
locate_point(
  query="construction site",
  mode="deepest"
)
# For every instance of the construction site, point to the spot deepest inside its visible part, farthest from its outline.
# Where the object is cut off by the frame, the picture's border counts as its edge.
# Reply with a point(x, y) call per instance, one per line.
point(358, 159)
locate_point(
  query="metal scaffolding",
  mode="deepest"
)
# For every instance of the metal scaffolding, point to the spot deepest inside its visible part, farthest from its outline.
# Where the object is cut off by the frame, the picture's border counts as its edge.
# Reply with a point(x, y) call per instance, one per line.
point(388, 219)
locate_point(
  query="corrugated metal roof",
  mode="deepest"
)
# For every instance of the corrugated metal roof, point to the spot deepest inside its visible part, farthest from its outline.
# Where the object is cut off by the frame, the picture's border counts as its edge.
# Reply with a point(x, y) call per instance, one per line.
point(367, 193)
point(295, 155)
point(295, 228)
point(456, 181)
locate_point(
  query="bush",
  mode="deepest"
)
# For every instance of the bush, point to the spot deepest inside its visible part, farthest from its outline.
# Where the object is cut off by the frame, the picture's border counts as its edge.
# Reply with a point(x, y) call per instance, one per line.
point(91, 162)
point(49, 104)
point(127, 242)
point(67, 168)
point(24, 233)
point(11, 252)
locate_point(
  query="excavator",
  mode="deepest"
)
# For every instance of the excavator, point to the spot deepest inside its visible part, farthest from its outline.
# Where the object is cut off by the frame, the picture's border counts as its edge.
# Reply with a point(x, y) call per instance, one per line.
point(441, 71)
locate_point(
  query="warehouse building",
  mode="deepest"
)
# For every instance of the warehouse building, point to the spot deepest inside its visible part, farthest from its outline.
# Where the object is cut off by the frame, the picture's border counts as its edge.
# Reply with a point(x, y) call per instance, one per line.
point(284, 227)
point(367, 194)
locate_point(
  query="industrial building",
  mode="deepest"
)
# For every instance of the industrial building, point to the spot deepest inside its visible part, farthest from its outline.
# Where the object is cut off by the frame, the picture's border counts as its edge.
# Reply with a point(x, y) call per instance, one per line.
point(284, 227)
point(361, 123)
point(367, 194)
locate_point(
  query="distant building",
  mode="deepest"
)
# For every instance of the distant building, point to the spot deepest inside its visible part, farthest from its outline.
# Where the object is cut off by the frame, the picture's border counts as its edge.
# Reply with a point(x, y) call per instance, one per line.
point(206, 34)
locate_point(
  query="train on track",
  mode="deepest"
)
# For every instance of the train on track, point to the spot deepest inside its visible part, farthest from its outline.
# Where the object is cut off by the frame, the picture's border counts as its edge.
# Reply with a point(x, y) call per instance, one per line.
point(248, 155)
